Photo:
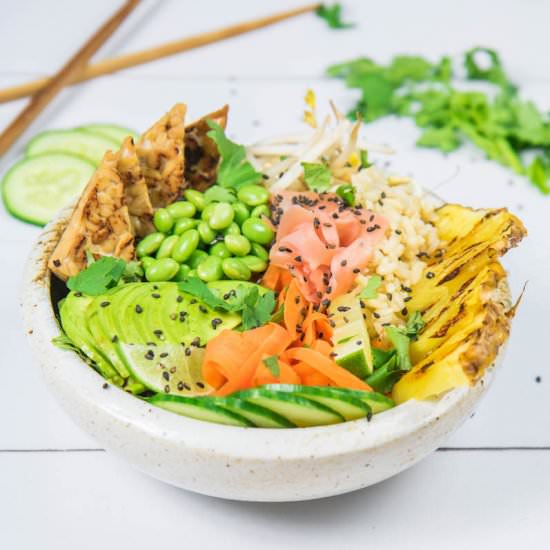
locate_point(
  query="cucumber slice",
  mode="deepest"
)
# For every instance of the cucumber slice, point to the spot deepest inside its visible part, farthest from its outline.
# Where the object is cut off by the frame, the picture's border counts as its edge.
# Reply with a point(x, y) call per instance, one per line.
point(34, 189)
point(199, 408)
point(298, 410)
point(259, 416)
point(349, 406)
point(378, 402)
point(85, 144)
point(110, 131)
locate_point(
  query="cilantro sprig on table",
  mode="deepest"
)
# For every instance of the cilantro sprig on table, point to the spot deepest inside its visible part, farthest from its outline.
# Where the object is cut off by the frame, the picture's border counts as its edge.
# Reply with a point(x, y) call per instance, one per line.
point(255, 308)
point(333, 16)
point(509, 129)
point(390, 365)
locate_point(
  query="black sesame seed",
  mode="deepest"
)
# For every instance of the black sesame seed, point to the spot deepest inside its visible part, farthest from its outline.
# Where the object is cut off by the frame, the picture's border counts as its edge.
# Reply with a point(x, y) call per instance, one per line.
point(407, 298)
point(114, 338)
point(155, 295)
point(78, 294)
point(105, 304)
point(430, 275)
point(356, 270)
point(187, 352)
point(180, 386)
point(167, 388)
point(179, 299)
point(343, 308)
point(215, 322)
point(404, 311)
point(200, 385)
point(164, 354)
point(376, 315)
point(196, 342)
point(193, 301)
point(57, 263)
point(138, 309)
point(149, 355)
point(105, 385)
point(166, 375)
point(203, 309)
point(298, 259)
point(343, 263)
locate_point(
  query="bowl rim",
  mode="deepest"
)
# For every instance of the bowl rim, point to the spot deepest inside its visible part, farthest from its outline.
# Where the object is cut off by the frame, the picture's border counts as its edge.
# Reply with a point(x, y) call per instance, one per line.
point(65, 371)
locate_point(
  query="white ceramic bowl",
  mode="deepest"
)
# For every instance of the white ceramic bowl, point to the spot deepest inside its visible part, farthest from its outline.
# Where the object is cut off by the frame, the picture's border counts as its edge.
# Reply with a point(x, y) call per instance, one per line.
point(235, 463)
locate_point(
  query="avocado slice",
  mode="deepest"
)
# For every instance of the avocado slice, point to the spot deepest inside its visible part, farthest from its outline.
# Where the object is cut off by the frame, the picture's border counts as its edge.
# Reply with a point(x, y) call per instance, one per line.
point(350, 336)
point(72, 314)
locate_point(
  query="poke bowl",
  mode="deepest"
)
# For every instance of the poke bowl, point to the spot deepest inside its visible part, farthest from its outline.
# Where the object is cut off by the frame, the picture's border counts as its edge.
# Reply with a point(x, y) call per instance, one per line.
point(276, 322)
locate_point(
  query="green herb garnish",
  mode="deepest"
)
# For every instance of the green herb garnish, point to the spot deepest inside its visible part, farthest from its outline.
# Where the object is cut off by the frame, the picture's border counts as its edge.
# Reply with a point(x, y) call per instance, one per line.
point(318, 177)
point(508, 129)
point(98, 277)
point(390, 365)
point(333, 16)
point(255, 309)
point(272, 363)
point(371, 289)
point(347, 193)
point(234, 170)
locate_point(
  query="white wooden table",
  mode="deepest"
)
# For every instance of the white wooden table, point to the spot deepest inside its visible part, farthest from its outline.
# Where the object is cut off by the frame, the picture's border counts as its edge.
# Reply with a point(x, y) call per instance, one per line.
point(488, 488)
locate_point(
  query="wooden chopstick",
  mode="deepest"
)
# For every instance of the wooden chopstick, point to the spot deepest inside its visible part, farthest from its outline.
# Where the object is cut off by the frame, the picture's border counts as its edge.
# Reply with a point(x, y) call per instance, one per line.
point(68, 72)
point(170, 48)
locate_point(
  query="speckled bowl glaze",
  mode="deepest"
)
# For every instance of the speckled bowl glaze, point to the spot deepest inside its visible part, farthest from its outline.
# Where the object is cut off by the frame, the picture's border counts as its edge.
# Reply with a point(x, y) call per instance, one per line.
point(234, 463)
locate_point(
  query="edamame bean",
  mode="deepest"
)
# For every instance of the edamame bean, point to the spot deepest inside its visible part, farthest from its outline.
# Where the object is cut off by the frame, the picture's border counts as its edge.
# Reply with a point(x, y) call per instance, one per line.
point(220, 251)
point(197, 258)
point(146, 261)
point(257, 231)
point(261, 210)
point(149, 244)
point(182, 209)
point(222, 216)
point(183, 273)
point(237, 244)
point(241, 212)
point(186, 245)
point(165, 250)
point(161, 270)
point(207, 212)
point(210, 269)
point(163, 220)
point(260, 251)
point(255, 264)
point(184, 224)
point(195, 197)
point(253, 195)
point(233, 229)
point(206, 233)
point(236, 269)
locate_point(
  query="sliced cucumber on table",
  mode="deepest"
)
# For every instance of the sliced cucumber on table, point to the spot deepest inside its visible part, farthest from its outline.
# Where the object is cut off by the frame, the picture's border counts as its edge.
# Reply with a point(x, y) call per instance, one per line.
point(79, 142)
point(35, 188)
point(110, 131)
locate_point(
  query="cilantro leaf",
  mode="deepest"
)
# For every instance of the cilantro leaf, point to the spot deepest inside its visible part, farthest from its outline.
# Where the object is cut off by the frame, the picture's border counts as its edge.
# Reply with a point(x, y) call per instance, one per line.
point(414, 325)
point(234, 170)
point(197, 288)
point(272, 363)
point(539, 173)
point(484, 64)
point(216, 193)
point(445, 138)
point(333, 16)
point(278, 315)
point(255, 309)
point(318, 177)
point(371, 289)
point(98, 277)
point(347, 193)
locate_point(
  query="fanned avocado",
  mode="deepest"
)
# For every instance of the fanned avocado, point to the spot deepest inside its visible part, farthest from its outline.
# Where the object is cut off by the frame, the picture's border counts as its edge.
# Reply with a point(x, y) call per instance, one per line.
point(151, 333)
point(73, 312)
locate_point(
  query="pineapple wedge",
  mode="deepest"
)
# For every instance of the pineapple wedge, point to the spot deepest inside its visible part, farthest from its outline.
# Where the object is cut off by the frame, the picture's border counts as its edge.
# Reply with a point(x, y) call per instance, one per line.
point(463, 298)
